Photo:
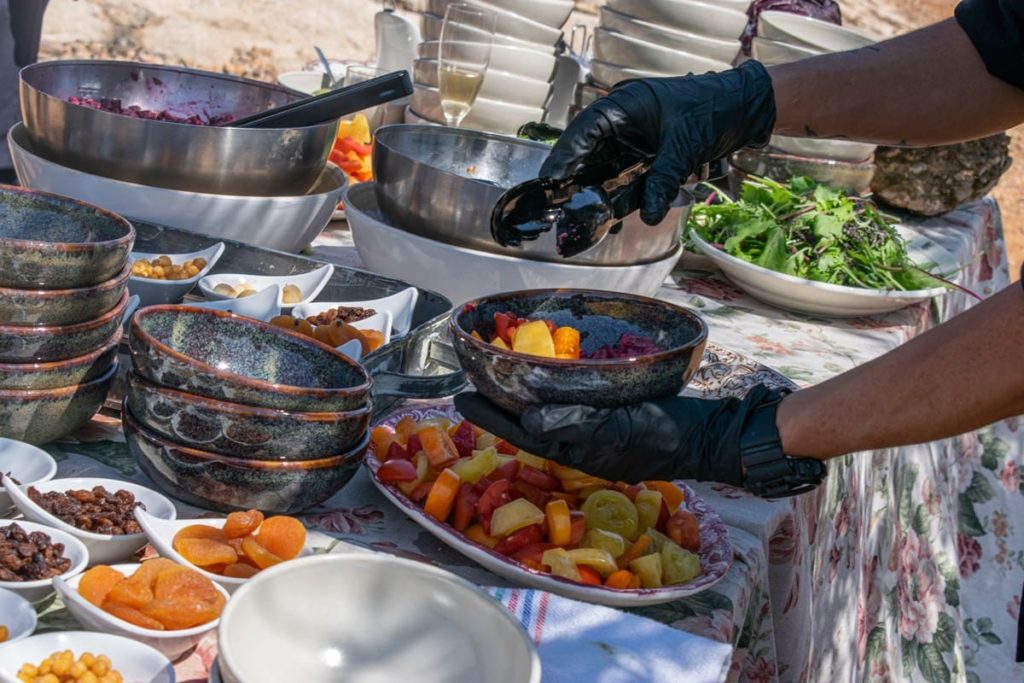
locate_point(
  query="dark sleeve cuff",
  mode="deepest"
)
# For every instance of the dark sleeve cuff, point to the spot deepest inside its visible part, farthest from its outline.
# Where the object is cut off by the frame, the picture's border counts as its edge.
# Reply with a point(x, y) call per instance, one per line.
point(996, 27)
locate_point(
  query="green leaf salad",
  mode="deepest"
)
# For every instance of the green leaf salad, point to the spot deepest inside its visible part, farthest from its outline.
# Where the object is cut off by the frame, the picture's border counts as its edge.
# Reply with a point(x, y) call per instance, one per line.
point(812, 231)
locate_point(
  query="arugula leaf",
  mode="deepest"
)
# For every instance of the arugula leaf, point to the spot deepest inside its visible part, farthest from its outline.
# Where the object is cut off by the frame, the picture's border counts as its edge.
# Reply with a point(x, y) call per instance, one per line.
point(775, 252)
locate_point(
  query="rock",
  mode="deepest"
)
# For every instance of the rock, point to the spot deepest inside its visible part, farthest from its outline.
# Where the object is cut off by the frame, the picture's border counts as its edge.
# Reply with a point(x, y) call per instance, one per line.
point(934, 180)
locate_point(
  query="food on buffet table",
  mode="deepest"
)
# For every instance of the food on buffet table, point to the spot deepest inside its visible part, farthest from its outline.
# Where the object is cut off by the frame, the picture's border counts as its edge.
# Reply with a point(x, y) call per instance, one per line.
point(352, 151)
point(346, 314)
point(543, 338)
point(30, 556)
point(812, 231)
point(547, 517)
point(114, 106)
point(334, 333)
point(98, 510)
point(162, 268)
point(4, 633)
point(62, 667)
point(234, 291)
point(160, 595)
point(246, 544)
point(291, 294)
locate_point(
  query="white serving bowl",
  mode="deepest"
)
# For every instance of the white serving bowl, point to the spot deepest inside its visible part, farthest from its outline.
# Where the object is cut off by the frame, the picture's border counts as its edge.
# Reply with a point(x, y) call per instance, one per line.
point(103, 548)
point(74, 550)
point(368, 619)
point(487, 115)
point(135, 661)
point(285, 223)
point(776, 52)
point(152, 292)
point(304, 81)
point(609, 75)
point(497, 85)
point(529, 62)
point(382, 322)
point(262, 305)
point(618, 48)
point(553, 13)
point(840, 150)
point(171, 644)
point(666, 36)
point(430, 29)
point(17, 614)
point(400, 305)
point(707, 19)
point(428, 263)
point(507, 22)
point(808, 32)
point(26, 463)
point(310, 284)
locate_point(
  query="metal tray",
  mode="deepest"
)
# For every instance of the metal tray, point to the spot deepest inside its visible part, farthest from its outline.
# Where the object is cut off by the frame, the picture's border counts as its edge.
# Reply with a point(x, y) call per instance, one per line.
point(420, 365)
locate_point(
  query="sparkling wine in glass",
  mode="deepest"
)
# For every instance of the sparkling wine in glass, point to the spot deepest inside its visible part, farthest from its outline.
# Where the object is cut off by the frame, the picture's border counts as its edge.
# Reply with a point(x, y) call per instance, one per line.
point(465, 51)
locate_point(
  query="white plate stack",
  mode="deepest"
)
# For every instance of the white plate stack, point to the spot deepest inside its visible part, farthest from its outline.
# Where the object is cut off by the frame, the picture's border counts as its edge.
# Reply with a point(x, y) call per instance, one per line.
point(517, 85)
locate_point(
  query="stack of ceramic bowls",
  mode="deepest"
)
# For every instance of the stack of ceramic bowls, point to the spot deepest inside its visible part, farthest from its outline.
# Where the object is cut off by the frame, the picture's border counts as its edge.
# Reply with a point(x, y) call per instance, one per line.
point(227, 412)
point(63, 279)
point(517, 85)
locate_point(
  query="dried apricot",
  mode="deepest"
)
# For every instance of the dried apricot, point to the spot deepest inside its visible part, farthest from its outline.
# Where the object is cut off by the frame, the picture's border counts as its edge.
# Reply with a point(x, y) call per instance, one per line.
point(186, 612)
point(148, 570)
point(130, 592)
point(241, 524)
point(240, 570)
point(97, 582)
point(262, 557)
point(132, 616)
point(282, 536)
point(199, 531)
point(202, 552)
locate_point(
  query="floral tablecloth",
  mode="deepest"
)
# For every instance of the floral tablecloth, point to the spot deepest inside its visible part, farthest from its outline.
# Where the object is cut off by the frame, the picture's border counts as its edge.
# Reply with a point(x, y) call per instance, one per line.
point(904, 566)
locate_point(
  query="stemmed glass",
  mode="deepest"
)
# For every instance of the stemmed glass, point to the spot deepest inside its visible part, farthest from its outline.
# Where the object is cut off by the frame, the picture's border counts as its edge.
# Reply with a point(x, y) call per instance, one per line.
point(358, 73)
point(465, 51)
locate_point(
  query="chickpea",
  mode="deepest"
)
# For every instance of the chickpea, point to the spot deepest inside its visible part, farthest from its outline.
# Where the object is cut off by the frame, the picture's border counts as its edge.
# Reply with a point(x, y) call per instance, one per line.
point(199, 263)
point(88, 677)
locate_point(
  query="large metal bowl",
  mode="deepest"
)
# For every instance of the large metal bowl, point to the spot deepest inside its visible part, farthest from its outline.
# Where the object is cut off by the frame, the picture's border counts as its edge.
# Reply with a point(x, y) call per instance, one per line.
point(442, 183)
point(209, 159)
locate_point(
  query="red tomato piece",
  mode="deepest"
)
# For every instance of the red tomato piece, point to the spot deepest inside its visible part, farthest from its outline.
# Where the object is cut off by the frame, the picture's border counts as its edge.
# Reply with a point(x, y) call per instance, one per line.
point(350, 145)
point(542, 480)
point(507, 471)
point(413, 446)
point(502, 321)
point(571, 497)
point(396, 452)
point(551, 326)
point(394, 471)
point(589, 575)
point(663, 516)
point(496, 495)
point(505, 448)
point(520, 539)
point(533, 494)
point(482, 484)
point(421, 491)
point(579, 527)
point(464, 439)
point(630, 490)
point(532, 553)
point(682, 528)
point(465, 507)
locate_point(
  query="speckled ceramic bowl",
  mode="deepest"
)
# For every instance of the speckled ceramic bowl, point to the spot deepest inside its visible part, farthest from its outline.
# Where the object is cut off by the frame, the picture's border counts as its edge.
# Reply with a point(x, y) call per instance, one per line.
point(45, 343)
point(516, 381)
point(222, 483)
point(61, 306)
point(61, 373)
point(45, 415)
point(53, 242)
point(243, 431)
point(228, 357)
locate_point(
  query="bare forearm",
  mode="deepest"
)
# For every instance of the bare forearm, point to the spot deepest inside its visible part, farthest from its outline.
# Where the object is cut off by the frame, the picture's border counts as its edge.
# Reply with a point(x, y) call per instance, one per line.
point(956, 378)
point(928, 87)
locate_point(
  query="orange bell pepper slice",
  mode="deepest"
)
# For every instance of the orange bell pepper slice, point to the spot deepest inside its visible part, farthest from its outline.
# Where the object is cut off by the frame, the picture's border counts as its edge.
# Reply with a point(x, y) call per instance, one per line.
point(634, 551)
point(589, 575)
point(439, 447)
point(442, 494)
point(670, 493)
point(559, 522)
point(619, 580)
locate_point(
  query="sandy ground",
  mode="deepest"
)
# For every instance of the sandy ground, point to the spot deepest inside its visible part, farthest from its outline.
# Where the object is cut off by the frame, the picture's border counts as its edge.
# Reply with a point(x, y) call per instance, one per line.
point(260, 38)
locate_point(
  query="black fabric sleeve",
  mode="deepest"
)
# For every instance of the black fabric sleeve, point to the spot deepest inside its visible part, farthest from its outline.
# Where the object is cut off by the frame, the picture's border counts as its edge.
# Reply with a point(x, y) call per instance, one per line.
point(996, 27)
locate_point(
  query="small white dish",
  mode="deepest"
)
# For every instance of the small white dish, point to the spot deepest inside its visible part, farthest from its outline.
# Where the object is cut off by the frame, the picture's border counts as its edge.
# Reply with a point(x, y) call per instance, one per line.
point(817, 148)
point(771, 52)
point(497, 85)
point(135, 661)
point(263, 305)
point(401, 305)
point(103, 548)
point(514, 59)
point(171, 643)
point(507, 22)
point(152, 292)
point(618, 48)
point(709, 19)
point(810, 33)
point(310, 284)
point(489, 115)
point(609, 75)
point(553, 13)
point(26, 463)
point(431, 24)
point(304, 81)
point(17, 614)
point(74, 550)
point(403, 621)
point(381, 321)
point(666, 36)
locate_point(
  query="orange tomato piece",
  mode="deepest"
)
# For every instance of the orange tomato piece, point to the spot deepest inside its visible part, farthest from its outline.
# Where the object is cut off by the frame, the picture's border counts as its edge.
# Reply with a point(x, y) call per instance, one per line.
point(132, 616)
point(404, 429)
point(240, 570)
point(588, 575)
point(204, 552)
point(441, 498)
point(670, 493)
point(619, 580)
point(282, 536)
point(259, 555)
point(97, 582)
point(438, 446)
point(240, 524)
point(558, 522)
point(477, 534)
point(381, 438)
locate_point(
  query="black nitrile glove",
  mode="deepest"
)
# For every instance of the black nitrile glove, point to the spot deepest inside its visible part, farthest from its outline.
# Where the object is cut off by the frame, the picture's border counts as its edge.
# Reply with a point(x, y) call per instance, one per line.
point(674, 438)
point(683, 122)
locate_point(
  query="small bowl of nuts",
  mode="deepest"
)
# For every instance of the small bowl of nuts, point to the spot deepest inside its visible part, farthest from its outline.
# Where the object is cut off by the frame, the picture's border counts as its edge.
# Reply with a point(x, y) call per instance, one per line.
point(32, 554)
point(84, 656)
point(167, 278)
point(296, 289)
point(98, 512)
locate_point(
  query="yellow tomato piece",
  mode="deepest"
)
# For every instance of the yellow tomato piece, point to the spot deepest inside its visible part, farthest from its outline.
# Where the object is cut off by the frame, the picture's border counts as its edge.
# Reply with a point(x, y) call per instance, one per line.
point(514, 516)
point(561, 564)
point(534, 338)
point(480, 465)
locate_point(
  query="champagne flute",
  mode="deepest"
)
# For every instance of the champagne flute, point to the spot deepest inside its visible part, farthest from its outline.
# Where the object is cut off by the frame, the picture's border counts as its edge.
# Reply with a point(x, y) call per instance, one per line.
point(465, 51)
point(359, 73)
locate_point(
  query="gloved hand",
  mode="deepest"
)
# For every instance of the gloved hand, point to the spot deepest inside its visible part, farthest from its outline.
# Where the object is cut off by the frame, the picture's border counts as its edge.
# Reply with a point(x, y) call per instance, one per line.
point(683, 122)
point(674, 438)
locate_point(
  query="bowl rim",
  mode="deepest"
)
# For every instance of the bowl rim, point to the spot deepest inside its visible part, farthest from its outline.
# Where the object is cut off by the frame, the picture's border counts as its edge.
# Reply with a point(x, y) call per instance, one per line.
point(670, 30)
point(133, 424)
point(46, 366)
point(134, 379)
point(51, 469)
point(87, 325)
point(22, 602)
point(656, 48)
point(135, 648)
point(113, 283)
point(59, 392)
point(96, 247)
point(57, 536)
point(666, 354)
point(249, 382)
point(839, 29)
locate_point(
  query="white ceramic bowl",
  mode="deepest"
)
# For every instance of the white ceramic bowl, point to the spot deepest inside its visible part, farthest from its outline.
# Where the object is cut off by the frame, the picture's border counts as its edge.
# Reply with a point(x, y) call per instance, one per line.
point(103, 548)
point(706, 19)
point(310, 284)
point(172, 644)
point(508, 22)
point(428, 263)
point(553, 13)
point(262, 305)
point(303, 81)
point(152, 292)
point(776, 52)
point(401, 306)
point(609, 75)
point(529, 62)
point(618, 48)
point(74, 550)
point(284, 223)
point(133, 660)
point(17, 614)
point(430, 29)
point(487, 115)
point(840, 150)
point(816, 34)
point(497, 85)
point(26, 463)
point(382, 322)
point(370, 618)
point(666, 36)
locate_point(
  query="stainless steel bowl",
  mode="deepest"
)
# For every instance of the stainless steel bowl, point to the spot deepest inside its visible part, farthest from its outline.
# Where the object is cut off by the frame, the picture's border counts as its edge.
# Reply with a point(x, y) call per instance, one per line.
point(442, 183)
point(209, 159)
